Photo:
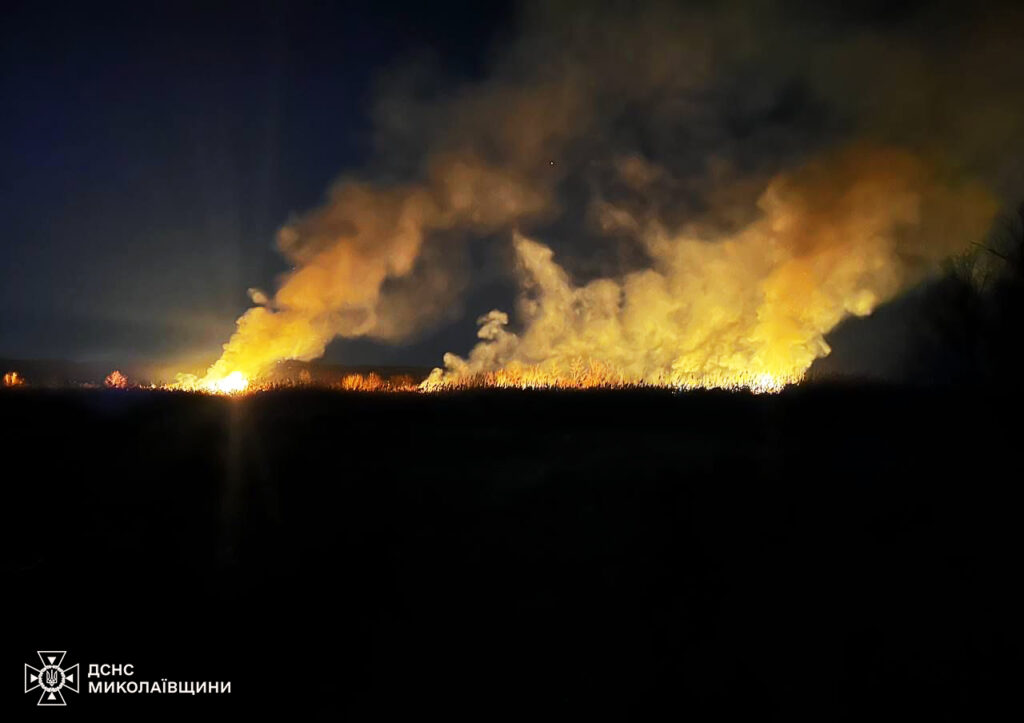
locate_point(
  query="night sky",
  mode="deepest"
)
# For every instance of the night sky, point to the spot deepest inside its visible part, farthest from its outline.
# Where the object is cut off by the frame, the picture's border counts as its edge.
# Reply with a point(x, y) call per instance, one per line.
point(151, 151)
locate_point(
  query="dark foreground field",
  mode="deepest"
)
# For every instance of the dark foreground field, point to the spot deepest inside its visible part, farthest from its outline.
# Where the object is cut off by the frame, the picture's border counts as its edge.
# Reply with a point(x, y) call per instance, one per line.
point(831, 553)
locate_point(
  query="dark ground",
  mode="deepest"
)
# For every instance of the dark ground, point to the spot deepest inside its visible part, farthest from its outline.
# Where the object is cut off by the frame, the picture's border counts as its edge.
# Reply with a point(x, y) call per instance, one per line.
point(829, 553)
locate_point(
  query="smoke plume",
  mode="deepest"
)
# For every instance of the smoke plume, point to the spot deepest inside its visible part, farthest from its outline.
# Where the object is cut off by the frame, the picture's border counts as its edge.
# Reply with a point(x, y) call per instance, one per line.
point(835, 238)
point(721, 186)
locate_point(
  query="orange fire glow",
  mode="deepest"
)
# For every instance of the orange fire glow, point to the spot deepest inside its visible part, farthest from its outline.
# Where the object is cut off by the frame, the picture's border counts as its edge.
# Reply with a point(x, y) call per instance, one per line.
point(749, 309)
point(116, 380)
point(236, 383)
point(598, 375)
point(375, 383)
point(230, 384)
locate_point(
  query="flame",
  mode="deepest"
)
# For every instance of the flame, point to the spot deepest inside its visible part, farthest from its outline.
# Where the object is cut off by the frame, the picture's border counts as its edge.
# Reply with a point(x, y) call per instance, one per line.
point(233, 383)
point(581, 374)
point(237, 383)
point(116, 380)
point(375, 383)
point(13, 379)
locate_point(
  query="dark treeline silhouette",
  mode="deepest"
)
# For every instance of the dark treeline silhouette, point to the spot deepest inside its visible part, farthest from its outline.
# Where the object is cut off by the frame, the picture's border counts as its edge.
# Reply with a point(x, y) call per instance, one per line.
point(972, 318)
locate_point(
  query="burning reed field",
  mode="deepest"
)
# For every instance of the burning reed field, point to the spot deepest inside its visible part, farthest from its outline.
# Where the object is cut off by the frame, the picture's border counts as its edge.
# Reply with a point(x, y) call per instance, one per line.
point(529, 358)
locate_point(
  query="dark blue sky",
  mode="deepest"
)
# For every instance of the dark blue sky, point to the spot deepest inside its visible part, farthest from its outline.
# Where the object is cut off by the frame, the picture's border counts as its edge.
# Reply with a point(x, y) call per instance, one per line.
point(151, 150)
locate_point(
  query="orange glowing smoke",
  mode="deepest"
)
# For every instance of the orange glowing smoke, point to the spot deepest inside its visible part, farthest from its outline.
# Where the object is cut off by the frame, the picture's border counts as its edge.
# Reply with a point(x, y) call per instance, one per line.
point(344, 254)
point(750, 310)
point(13, 379)
point(656, 129)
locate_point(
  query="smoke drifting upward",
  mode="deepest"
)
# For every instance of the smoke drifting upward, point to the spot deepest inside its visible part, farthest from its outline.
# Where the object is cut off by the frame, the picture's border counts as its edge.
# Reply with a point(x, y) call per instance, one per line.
point(837, 237)
point(344, 252)
point(761, 170)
